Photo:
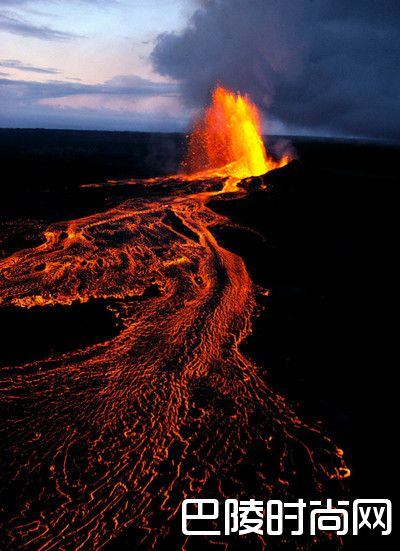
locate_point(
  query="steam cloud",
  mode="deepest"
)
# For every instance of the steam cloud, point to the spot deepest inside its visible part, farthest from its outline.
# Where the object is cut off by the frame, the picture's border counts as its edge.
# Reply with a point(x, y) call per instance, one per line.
point(325, 66)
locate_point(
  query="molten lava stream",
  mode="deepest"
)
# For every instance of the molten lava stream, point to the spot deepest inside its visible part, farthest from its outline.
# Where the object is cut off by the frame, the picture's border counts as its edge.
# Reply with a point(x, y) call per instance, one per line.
point(117, 434)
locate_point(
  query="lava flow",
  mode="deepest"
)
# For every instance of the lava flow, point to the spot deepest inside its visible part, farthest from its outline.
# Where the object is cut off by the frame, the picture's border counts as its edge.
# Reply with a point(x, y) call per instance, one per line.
point(107, 440)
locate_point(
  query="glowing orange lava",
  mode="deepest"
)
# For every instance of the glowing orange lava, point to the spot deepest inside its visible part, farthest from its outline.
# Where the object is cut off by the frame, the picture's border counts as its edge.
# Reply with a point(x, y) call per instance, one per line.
point(226, 140)
point(112, 437)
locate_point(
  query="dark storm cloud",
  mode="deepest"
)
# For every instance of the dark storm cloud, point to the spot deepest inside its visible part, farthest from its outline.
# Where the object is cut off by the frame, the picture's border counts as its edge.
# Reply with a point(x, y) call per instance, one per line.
point(16, 64)
point(12, 23)
point(326, 66)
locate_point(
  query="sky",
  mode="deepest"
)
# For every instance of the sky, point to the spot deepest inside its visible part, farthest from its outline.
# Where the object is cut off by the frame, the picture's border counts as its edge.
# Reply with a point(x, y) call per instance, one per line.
point(86, 64)
point(316, 67)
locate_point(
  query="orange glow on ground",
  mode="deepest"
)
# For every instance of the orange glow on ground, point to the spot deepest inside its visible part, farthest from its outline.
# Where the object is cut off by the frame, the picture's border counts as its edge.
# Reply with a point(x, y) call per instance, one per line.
point(116, 434)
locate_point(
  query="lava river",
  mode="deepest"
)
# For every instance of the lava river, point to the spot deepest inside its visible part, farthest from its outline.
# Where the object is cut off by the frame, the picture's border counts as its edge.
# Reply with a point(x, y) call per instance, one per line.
point(109, 439)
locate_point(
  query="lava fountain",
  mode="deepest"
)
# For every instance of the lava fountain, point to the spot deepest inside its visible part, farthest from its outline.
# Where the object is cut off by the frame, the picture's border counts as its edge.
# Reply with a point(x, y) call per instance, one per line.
point(226, 140)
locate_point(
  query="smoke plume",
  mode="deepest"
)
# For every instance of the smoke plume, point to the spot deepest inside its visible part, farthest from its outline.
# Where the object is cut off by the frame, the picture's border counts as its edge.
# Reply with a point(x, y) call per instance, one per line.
point(322, 67)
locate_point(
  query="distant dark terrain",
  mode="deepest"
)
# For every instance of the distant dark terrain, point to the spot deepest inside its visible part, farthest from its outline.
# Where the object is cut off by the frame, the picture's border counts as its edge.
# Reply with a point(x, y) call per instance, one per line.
point(48, 166)
point(320, 237)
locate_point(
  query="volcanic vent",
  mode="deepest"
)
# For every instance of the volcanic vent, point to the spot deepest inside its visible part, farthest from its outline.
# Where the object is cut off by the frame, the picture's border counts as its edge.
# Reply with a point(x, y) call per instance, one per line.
point(226, 140)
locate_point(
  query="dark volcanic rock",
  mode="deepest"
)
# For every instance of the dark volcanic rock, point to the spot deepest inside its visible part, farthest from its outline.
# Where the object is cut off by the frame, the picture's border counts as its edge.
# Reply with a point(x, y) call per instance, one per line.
point(36, 333)
point(326, 256)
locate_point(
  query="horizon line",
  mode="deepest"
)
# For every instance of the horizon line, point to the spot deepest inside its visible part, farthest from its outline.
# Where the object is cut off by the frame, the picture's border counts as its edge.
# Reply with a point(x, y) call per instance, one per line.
point(181, 132)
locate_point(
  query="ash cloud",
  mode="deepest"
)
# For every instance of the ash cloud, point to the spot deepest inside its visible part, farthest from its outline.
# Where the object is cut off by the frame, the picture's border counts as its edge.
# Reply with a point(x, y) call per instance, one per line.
point(319, 67)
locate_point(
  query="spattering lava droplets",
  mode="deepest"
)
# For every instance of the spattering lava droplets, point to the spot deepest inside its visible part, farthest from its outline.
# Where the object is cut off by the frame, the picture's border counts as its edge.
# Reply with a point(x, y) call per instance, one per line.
point(226, 140)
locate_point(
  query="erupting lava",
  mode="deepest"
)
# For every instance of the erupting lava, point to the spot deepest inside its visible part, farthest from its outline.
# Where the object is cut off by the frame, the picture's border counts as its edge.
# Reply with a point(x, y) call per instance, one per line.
point(226, 140)
point(113, 436)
